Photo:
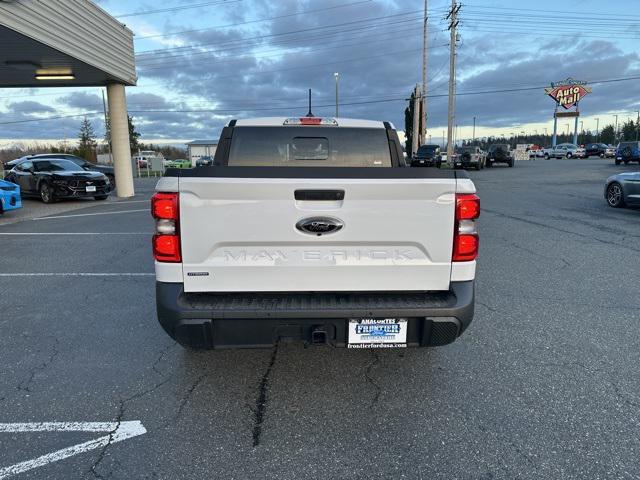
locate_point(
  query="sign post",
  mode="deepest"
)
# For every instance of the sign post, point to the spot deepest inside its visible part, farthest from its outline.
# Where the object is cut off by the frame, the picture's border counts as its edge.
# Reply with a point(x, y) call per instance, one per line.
point(567, 94)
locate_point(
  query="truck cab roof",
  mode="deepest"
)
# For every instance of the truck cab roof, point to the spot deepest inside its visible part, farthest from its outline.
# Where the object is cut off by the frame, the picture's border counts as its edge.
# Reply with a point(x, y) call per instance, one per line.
point(327, 121)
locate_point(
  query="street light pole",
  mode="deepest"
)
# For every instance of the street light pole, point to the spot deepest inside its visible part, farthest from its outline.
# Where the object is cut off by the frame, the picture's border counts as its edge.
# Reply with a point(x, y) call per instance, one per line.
point(615, 130)
point(597, 130)
point(638, 125)
point(337, 77)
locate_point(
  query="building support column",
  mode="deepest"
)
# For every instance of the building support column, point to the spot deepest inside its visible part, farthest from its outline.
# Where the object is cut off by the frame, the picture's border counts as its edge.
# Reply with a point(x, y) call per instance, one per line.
point(119, 124)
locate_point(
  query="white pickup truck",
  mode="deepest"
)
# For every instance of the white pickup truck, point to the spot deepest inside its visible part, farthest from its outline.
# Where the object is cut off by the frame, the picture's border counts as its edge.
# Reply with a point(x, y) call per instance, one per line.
point(312, 229)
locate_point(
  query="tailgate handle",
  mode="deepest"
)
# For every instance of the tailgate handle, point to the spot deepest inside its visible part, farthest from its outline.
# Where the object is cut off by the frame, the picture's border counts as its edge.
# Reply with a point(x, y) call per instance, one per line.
point(319, 195)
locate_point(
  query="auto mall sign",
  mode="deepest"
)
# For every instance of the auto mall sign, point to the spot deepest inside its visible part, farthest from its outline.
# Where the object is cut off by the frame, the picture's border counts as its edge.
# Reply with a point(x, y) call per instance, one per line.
point(568, 92)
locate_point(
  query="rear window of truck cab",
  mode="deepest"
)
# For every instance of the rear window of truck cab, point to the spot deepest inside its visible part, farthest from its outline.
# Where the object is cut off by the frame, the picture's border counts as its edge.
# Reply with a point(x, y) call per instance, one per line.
point(302, 146)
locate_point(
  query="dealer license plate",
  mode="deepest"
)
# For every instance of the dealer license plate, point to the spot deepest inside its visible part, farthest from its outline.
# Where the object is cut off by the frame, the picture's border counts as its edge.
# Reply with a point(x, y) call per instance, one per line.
point(91, 188)
point(377, 333)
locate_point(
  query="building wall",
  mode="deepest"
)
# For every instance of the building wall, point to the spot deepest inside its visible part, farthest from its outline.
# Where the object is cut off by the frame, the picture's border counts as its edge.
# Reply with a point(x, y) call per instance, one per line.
point(98, 39)
point(198, 151)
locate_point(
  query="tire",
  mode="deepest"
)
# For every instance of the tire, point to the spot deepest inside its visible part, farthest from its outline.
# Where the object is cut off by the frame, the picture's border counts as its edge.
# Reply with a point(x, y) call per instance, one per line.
point(46, 194)
point(439, 164)
point(618, 162)
point(112, 181)
point(477, 167)
point(546, 156)
point(602, 155)
point(569, 154)
point(101, 197)
point(615, 196)
point(489, 164)
point(511, 163)
point(626, 162)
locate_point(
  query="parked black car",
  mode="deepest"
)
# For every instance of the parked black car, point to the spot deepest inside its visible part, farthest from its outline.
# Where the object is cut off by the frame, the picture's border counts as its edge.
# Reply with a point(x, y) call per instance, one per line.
point(55, 178)
point(596, 149)
point(499, 153)
point(427, 156)
point(81, 162)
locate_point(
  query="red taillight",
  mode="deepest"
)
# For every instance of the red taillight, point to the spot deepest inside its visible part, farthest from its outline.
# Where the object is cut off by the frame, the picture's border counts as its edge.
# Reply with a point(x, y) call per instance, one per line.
point(165, 208)
point(465, 237)
point(467, 206)
point(465, 247)
point(166, 248)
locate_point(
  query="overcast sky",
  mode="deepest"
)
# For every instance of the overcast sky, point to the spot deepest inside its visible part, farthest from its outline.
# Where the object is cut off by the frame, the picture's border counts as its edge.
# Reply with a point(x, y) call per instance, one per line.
point(243, 58)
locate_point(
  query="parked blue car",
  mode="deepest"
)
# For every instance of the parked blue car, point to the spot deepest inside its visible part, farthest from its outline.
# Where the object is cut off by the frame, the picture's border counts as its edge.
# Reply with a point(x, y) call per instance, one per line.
point(628, 152)
point(9, 196)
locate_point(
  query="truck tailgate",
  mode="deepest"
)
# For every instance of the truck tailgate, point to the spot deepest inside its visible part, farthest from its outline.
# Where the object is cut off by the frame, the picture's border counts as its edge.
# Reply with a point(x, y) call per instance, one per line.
point(239, 229)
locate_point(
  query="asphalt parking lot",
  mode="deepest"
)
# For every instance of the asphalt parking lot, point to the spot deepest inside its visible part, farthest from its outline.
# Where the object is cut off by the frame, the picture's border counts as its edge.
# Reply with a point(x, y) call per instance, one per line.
point(544, 384)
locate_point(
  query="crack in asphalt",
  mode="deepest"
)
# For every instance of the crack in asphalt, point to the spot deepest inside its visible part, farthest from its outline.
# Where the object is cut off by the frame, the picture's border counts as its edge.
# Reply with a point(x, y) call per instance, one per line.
point(25, 385)
point(367, 376)
point(536, 254)
point(163, 352)
point(557, 229)
point(626, 398)
point(261, 400)
point(119, 418)
point(103, 450)
point(185, 398)
point(485, 305)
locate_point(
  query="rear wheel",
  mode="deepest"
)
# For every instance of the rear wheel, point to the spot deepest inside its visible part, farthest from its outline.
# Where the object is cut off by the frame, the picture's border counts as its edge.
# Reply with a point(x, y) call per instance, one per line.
point(569, 154)
point(489, 164)
point(615, 198)
point(546, 156)
point(618, 162)
point(477, 167)
point(511, 162)
point(112, 181)
point(602, 155)
point(46, 194)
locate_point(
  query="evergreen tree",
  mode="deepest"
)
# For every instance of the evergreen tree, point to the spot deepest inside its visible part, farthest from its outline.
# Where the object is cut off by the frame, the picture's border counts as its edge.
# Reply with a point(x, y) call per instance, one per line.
point(607, 135)
point(134, 135)
point(86, 140)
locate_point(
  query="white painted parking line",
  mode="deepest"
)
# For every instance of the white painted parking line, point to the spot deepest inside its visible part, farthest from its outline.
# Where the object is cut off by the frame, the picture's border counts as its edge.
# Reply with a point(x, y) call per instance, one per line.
point(117, 432)
point(77, 274)
point(91, 214)
point(72, 233)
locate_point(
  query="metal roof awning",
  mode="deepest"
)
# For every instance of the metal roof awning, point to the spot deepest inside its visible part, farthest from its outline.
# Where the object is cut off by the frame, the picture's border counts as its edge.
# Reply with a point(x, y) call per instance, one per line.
point(63, 43)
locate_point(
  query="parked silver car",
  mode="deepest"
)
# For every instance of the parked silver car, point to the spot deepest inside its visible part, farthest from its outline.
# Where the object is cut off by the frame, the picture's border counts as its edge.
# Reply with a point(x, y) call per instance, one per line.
point(565, 150)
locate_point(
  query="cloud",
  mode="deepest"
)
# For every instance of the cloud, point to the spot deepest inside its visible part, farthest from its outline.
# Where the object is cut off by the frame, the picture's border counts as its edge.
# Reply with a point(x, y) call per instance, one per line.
point(29, 107)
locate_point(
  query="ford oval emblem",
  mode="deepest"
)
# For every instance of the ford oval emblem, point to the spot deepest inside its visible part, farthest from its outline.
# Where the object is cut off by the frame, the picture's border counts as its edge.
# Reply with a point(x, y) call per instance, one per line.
point(320, 225)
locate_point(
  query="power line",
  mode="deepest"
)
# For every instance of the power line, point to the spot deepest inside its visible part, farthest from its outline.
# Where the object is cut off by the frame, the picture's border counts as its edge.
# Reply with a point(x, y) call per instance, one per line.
point(303, 30)
point(249, 22)
point(175, 9)
point(328, 105)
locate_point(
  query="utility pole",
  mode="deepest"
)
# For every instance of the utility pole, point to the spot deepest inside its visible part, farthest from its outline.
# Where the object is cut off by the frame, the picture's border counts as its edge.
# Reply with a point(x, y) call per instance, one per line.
point(425, 40)
point(597, 130)
point(337, 76)
point(415, 138)
point(474, 130)
point(453, 24)
point(615, 130)
point(638, 125)
point(106, 127)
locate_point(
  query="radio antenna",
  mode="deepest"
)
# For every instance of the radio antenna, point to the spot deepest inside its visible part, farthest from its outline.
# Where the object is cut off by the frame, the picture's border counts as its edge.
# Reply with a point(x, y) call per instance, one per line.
point(309, 114)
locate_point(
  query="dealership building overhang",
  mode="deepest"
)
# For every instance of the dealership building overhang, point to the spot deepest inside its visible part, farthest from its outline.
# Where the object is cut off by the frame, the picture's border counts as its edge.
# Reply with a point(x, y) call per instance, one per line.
point(71, 43)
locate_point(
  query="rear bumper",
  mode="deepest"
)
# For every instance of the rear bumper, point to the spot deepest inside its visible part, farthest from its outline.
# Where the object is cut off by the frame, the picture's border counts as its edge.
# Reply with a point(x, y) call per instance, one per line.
point(259, 320)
